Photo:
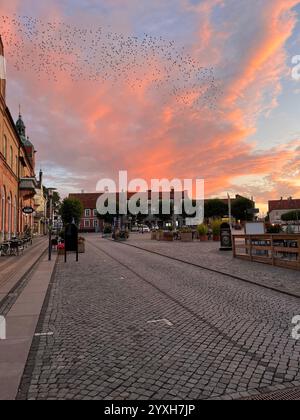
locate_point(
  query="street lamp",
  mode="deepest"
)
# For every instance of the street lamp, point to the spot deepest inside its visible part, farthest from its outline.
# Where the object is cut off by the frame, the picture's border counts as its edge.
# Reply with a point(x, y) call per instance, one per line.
point(50, 196)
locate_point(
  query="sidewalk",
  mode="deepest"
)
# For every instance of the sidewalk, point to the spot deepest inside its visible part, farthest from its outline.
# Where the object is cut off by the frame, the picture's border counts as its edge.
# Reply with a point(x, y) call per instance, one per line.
point(12, 268)
point(23, 315)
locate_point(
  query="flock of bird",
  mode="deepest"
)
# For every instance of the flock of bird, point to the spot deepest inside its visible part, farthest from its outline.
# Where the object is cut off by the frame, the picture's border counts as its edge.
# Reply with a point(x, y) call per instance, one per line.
point(101, 55)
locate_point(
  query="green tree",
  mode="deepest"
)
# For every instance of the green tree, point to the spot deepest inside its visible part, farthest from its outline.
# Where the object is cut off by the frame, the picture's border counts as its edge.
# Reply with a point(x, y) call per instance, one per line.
point(168, 216)
point(215, 208)
point(292, 216)
point(71, 209)
point(240, 208)
point(107, 217)
point(56, 201)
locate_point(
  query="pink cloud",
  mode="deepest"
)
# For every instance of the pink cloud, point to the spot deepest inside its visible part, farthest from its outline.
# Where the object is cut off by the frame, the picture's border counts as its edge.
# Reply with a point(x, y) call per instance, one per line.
point(91, 130)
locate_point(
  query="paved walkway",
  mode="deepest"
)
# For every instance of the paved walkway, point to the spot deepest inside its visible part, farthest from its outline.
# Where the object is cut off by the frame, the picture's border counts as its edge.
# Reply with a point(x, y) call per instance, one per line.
point(125, 324)
point(23, 286)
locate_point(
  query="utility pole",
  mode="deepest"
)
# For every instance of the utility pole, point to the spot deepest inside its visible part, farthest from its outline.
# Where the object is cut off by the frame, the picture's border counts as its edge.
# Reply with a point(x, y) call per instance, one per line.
point(229, 210)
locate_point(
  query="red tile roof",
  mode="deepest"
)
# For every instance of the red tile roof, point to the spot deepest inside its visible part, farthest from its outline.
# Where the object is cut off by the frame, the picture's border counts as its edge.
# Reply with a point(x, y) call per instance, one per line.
point(284, 205)
point(88, 200)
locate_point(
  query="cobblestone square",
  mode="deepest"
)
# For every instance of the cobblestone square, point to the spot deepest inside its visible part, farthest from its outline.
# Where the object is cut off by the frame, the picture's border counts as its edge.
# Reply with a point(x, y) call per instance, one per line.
point(127, 324)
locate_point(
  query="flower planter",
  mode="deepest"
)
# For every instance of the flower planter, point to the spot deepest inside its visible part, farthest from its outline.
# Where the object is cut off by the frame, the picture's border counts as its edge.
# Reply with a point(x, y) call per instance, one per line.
point(153, 236)
point(81, 248)
point(168, 236)
point(186, 236)
point(120, 236)
point(216, 230)
point(159, 236)
point(203, 238)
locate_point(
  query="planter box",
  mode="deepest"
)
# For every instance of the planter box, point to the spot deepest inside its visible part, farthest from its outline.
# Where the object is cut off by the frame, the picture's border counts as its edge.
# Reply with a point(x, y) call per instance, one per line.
point(203, 238)
point(168, 236)
point(187, 237)
point(81, 248)
point(159, 236)
point(153, 236)
point(216, 238)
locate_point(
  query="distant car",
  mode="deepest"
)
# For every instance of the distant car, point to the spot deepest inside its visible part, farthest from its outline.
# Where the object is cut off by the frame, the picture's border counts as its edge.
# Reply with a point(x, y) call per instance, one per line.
point(145, 229)
point(135, 229)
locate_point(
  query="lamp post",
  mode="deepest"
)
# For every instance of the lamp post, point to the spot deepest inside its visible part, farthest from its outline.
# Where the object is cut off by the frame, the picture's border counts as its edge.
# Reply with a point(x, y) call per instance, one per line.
point(229, 210)
point(50, 196)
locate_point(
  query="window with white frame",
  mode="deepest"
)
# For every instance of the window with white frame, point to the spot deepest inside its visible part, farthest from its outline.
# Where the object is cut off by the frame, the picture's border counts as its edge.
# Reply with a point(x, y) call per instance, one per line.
point(96, 224)
point(87, 213)
point(87, 224)
point(95, 212)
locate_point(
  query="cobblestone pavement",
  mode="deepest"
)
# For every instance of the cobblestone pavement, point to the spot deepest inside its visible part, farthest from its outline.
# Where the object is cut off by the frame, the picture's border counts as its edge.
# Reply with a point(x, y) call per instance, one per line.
point(208, 254)
point(216, 338)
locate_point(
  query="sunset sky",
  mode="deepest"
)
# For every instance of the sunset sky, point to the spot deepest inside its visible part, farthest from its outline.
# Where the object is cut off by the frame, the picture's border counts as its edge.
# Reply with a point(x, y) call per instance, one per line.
point(249, 143)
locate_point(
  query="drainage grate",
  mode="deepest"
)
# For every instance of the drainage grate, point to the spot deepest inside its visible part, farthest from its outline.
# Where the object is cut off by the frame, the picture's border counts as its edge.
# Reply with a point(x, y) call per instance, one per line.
point(292, 394)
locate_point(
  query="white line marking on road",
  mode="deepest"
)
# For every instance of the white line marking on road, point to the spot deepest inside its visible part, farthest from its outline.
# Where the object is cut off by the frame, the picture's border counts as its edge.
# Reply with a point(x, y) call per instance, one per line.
point(166, 321)
point(43, 334)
